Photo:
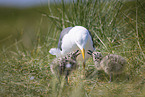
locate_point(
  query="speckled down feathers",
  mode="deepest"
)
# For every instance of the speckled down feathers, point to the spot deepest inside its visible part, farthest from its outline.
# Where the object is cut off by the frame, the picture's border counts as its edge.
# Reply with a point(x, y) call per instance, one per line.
point(113, 64)
point(64, 65)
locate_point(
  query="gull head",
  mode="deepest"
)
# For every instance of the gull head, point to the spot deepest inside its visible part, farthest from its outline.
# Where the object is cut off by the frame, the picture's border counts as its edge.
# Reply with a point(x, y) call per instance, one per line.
point(81, 41)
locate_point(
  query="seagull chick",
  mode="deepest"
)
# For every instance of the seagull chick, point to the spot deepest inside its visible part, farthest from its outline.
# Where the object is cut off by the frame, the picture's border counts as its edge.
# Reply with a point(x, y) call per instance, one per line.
point(111, 64)
point(64, 65)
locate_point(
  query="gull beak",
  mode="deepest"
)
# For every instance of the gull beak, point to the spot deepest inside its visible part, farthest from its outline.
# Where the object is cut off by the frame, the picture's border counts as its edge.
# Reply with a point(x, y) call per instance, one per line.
point(83, 53)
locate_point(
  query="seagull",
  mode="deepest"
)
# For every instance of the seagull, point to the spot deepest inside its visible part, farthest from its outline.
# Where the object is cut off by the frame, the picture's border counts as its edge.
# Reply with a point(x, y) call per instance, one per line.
point(72, 39)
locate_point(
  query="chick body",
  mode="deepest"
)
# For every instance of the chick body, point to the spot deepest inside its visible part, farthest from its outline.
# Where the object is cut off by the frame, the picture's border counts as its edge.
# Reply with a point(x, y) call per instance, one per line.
point(64, 65)
point(111, 63)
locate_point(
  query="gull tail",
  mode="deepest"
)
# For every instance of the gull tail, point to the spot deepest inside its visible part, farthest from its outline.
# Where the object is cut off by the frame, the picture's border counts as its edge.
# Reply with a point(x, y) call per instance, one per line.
point(55, 51)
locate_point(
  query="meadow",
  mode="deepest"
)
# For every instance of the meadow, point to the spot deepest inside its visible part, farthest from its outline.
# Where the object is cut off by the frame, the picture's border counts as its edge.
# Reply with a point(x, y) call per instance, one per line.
point(26, 35)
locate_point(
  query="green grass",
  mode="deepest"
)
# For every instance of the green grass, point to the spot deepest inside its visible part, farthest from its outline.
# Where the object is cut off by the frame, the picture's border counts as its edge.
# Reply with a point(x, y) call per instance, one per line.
point(117, 27)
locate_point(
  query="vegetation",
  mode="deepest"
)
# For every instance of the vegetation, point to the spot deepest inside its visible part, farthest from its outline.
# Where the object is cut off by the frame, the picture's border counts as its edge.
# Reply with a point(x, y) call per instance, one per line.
point(117, 28)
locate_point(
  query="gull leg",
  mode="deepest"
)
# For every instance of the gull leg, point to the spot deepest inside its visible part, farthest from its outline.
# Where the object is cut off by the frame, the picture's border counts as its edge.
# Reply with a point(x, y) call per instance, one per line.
point(84, 69)
point(84, 66)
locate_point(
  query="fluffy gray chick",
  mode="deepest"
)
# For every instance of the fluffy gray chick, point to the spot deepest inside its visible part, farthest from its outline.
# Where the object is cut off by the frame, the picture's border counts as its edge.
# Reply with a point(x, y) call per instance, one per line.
point(111, 63)
point(64, 65)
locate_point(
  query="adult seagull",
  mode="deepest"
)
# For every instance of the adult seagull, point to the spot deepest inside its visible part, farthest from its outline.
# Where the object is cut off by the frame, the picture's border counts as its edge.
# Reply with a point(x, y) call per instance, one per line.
point(72, 39)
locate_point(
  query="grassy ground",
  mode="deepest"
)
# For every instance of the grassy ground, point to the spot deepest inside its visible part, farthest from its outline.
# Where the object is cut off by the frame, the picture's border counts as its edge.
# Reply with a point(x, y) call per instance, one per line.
point(117, 27)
